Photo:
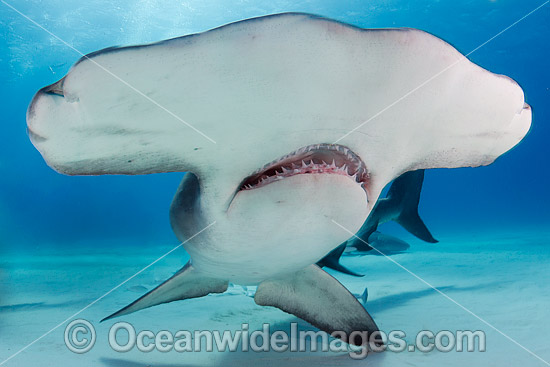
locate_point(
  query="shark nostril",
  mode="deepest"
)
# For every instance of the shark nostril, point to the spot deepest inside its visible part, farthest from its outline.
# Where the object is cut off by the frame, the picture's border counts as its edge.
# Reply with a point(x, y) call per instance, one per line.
point(55, 88)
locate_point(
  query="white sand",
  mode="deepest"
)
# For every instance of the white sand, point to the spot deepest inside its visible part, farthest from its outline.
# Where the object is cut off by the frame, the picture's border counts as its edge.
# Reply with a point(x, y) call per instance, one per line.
point(504, 280)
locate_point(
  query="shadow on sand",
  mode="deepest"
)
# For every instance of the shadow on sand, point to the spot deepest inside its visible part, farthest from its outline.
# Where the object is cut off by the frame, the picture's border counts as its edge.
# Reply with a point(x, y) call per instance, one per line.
point(37, 306)
point(300, 359)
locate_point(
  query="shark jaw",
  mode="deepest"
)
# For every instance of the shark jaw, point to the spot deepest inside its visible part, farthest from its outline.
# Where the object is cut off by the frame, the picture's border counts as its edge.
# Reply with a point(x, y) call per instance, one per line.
point(286, 206)
point(312, 159)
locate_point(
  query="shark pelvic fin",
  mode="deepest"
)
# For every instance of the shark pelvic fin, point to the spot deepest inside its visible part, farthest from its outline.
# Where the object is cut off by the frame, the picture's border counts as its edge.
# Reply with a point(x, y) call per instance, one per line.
point(316, 297)
point(186, 283)
point(332, 261)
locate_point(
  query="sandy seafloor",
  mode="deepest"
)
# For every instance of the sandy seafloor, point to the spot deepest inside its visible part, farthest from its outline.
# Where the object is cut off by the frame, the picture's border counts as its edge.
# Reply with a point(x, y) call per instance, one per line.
point(504, 279)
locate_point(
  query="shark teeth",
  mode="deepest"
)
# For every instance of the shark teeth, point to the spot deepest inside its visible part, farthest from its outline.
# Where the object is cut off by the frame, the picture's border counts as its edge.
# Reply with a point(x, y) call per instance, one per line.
point(311, 159)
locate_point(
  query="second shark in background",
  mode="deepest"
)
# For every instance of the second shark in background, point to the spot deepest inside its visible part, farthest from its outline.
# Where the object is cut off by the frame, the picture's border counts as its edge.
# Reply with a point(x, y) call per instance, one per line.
point(399, 205)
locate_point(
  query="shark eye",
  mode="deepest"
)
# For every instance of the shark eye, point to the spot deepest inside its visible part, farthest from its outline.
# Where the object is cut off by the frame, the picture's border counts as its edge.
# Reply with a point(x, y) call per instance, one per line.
point(56, 88)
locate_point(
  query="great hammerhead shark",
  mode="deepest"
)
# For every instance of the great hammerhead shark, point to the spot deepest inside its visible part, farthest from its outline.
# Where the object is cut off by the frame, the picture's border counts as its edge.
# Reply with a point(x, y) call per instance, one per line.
point(289, 127)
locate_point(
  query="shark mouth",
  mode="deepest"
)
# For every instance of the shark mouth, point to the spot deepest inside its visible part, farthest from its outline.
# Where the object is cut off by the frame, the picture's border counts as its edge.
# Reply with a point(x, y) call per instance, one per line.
point(312, 159)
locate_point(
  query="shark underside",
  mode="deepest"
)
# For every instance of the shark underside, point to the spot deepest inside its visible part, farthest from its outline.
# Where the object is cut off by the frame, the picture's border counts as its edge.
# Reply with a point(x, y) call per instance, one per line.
point(289, 127)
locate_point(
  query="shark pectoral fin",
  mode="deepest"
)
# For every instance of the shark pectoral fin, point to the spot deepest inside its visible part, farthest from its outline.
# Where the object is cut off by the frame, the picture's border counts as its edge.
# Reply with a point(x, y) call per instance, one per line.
point(412, 222)
point(332, 261)
point(404, 194)
point(316, 297)
point(361, 240)
point(186, 283)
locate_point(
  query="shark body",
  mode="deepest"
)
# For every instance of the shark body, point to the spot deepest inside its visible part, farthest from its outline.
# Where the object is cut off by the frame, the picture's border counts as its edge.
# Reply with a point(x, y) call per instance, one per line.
point(275, 120)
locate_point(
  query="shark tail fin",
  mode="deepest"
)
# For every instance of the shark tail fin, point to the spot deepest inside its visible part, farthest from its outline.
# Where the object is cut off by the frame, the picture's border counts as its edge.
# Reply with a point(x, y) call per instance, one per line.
point(405, 194)
point(332, 261)
point(186, 283)
point(316, 297)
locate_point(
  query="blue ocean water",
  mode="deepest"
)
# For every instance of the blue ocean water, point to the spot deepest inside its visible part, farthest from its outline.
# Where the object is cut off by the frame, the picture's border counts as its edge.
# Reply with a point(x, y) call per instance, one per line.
point(39, 206)
point(44, 212)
